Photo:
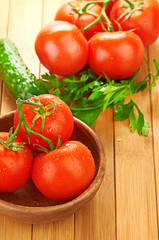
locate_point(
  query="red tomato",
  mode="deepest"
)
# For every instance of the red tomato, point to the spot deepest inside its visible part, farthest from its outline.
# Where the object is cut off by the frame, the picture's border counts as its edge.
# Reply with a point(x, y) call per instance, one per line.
point(144, 22)
point(116, 54)
point(64, 173)
point(109, 7)
point(59, 124)
point(66, 13)
point(61, 48)
point(15, 167)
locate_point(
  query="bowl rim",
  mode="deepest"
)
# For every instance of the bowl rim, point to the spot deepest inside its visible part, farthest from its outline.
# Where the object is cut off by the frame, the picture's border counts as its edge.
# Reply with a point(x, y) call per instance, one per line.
point(85, 196)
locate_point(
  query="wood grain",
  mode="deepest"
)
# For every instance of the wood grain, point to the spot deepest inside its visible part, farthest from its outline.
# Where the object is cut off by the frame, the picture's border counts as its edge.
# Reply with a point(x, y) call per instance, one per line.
point(153, 52)
point(135, 180)
point(59, 230)
point(10, 229)
point(97, 220)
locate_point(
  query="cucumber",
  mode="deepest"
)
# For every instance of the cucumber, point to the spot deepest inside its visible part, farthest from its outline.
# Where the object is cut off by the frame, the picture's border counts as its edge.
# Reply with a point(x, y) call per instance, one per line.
point(16, 75)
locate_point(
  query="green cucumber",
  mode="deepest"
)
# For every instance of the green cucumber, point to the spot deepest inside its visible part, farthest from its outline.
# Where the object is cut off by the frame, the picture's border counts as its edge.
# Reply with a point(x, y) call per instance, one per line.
point(16, 75)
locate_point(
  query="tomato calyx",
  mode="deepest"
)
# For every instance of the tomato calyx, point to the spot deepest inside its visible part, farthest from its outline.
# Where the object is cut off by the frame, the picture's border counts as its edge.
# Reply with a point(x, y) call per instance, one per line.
point(42, 112)
point(14, 146)
point(85, 10)
point(131, 6)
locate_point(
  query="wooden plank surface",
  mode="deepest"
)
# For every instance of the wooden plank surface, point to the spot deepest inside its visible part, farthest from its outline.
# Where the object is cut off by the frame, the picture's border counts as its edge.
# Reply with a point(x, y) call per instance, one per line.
point(97, 219)
point(153, 52)
point(135, 179)
point(127, 204)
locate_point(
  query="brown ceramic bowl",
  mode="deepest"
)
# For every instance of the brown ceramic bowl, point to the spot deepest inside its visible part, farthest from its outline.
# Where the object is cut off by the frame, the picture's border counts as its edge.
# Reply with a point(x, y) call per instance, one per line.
point(28, 205)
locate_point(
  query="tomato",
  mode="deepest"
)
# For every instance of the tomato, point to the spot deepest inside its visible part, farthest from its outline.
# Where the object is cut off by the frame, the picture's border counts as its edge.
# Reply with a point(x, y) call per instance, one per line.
point(15, 166)
point(109, 7)
point(67, 13)
point(57, 125)
point(116, 54)
point(144, 22)
point(64, 173)
point(61, 48)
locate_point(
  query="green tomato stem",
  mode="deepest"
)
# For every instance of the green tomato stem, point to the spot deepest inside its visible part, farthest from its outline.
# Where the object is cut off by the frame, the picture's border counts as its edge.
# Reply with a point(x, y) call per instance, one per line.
point(83, 10)
point(131, 4)
point(103, 14)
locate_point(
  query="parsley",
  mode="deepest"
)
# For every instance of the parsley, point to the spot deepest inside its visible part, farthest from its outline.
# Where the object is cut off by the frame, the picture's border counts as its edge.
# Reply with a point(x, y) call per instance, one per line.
point(89, 95)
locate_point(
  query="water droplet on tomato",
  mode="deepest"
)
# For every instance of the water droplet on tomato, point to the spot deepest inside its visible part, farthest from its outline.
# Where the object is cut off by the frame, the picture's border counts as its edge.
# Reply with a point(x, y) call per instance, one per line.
point(56, 159)
point(37, 141)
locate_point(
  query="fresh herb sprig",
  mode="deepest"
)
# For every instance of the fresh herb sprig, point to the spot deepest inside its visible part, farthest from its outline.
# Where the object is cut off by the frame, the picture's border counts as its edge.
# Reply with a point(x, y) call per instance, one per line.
point(89, 95)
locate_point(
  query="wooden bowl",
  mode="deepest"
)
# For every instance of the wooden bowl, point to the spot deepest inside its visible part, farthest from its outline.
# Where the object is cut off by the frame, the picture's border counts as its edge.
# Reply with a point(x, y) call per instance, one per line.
point(28, 205)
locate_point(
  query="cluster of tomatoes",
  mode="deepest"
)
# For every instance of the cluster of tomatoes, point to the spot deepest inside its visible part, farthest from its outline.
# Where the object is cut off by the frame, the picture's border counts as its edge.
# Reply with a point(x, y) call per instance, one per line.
point(108, 36)
point(60, 174)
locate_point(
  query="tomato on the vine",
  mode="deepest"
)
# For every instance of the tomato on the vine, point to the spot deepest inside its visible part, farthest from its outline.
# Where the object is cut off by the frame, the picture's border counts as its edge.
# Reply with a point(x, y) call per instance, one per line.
point(61, 48)
point(15, 166)
point(57, 118)
point(67, 13)
point(115, 54)
point(140, 16)
point(64, 173)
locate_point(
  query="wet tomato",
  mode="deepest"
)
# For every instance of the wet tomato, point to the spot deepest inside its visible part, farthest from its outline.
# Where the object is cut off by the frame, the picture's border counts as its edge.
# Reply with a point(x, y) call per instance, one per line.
point(115, 54)
point(64, 173)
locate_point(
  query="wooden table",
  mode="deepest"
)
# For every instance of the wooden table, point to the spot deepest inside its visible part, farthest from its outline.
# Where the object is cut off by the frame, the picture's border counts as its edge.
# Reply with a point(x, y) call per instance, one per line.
point(126, 206)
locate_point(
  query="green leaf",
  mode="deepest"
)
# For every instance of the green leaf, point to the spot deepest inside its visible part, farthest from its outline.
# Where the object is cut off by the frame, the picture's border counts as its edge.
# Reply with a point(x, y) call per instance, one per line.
point(138, 122)
point(153, 77)
point(50, 81)
point(88, 117)
point(156, 63)
point(133, 121)
point(87, 112)
point(123, 111)
point(145, 129)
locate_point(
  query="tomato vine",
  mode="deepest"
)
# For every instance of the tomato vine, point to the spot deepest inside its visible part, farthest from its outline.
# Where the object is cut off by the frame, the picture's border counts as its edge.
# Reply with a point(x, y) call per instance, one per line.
point(85, 10)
